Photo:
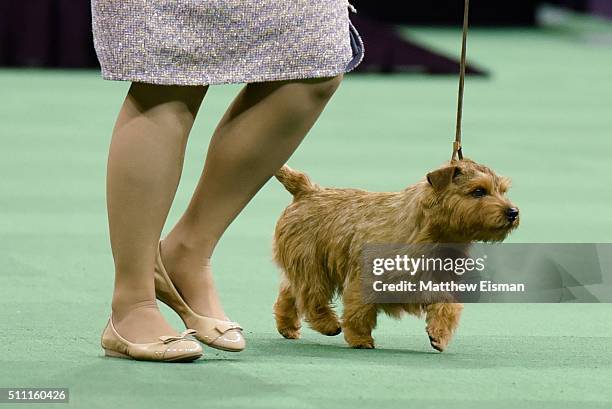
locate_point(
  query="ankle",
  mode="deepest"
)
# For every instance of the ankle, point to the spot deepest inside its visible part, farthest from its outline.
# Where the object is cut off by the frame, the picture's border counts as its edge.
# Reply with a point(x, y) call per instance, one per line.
point(186, 255)
point(122, 307)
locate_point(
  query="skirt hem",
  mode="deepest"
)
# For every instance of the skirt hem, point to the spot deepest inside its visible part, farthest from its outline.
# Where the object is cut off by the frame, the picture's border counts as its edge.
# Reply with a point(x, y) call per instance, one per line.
point(147, 79)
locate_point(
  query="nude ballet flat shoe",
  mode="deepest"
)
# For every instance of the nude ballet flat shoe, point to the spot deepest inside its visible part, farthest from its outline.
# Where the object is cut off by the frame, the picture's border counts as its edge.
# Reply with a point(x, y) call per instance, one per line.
point(169, 348)
point(216, 333)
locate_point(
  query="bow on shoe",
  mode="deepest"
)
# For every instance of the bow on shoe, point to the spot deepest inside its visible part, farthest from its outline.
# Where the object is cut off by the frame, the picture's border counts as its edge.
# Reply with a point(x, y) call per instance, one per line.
point(171, 338)
point(223, 326)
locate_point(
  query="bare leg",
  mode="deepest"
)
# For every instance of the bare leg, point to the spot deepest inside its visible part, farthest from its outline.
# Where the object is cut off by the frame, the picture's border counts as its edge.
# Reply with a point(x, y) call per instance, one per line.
point(144, 167)
point(259, 132)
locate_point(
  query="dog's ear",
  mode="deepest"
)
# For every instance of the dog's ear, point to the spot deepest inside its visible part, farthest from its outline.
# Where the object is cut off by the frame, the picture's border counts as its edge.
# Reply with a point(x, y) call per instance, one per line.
point(441, 178)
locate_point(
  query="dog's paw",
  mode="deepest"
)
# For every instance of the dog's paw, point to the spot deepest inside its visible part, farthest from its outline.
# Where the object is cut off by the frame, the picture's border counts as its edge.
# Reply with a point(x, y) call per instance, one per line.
point(361, 342)
point(289, 333)
point(437, 345)
point(365, 345)
point(334, 332)
point(330, 331)
point(438, 339)
point(358, 339)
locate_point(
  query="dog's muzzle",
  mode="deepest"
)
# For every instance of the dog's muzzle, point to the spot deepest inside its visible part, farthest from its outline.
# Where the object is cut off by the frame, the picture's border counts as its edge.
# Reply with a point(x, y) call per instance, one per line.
point(512, 214)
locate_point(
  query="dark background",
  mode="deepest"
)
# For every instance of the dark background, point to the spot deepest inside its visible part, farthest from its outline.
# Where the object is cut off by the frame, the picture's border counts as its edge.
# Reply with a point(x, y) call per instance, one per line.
point(482, 12)
point(57, 33)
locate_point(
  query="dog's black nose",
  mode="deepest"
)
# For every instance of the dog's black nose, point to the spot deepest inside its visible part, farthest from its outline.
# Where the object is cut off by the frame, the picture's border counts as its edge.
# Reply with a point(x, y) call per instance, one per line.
point(512, 213)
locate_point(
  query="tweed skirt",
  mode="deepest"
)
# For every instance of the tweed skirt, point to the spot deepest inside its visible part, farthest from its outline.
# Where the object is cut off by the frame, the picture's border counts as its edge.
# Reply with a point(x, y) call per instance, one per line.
point(200, 42)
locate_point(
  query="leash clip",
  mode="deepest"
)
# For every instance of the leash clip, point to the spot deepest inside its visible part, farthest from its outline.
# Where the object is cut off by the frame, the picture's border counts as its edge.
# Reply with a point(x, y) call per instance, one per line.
point(457, 151)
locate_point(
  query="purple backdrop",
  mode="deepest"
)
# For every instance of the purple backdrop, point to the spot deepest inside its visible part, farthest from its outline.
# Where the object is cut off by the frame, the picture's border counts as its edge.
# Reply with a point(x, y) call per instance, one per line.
point(49, 33)
point(601, 7)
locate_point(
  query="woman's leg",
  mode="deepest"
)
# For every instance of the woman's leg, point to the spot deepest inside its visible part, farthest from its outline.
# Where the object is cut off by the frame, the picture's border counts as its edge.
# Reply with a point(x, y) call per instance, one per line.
point(144, 166)
point(259, 132)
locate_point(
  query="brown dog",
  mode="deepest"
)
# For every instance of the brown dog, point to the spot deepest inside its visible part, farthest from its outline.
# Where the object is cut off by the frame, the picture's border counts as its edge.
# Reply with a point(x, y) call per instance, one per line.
point(319, 238)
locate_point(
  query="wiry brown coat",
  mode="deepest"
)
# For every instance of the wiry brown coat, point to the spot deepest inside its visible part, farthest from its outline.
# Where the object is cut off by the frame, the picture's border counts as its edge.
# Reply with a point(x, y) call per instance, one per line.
point(319, 238)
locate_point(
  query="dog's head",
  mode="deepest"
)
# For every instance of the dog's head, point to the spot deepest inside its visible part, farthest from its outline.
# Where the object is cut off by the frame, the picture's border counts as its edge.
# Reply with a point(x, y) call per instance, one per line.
point(468, 202)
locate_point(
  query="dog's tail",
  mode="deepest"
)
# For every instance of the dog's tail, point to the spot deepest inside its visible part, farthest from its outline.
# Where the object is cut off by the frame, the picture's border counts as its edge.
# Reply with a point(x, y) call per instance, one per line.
point(295, 182)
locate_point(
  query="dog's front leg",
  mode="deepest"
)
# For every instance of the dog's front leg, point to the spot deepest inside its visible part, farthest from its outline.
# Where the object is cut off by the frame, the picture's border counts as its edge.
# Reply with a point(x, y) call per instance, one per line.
point(442, 321)
point(358, 319)
point(286, 313)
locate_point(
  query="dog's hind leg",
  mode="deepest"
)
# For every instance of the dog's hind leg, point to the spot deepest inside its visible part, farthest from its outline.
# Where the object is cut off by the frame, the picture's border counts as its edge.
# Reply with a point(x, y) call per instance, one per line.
point(442, 320)
point(286, 312)
point(315, 304)
point(358, 319)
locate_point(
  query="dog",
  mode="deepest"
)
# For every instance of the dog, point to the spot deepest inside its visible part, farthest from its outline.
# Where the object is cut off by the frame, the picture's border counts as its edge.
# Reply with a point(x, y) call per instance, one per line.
point(319, 238)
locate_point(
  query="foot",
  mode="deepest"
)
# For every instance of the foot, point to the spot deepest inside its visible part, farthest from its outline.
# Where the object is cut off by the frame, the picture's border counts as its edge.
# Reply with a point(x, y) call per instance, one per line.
point(442, 320)
point(330, 327)
point(322, 318)
point(363, 344)
point(192, 277)
point(438, 337)
point(289, 333)
point(357, 340)
point(141, 323)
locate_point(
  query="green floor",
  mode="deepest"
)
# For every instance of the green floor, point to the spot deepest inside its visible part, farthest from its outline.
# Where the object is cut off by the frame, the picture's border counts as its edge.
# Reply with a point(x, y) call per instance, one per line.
point(543, 118)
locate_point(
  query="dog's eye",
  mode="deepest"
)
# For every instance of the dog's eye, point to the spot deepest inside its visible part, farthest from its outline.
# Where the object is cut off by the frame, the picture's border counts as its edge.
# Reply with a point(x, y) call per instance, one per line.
point(480, 192)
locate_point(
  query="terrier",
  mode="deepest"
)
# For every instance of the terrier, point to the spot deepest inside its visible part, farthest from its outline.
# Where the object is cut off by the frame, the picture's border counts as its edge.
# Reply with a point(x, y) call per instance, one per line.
point(319, 238)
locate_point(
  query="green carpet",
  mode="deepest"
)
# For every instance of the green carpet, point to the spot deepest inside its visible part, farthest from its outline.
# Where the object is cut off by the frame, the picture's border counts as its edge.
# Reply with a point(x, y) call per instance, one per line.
point(542, 118)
